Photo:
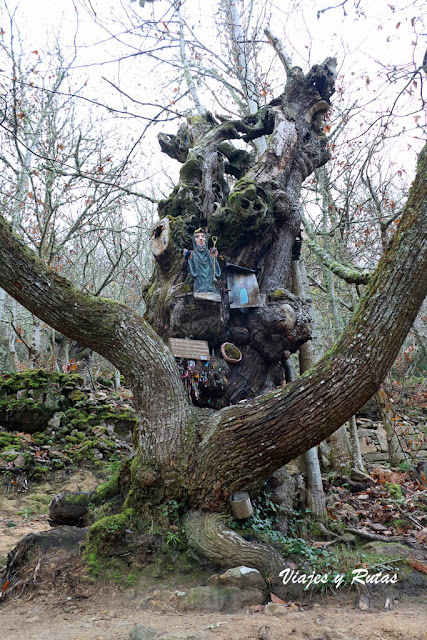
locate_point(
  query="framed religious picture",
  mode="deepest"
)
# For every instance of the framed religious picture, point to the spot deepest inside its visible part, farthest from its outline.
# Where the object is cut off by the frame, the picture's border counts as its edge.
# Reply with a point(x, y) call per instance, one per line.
point(242, 285)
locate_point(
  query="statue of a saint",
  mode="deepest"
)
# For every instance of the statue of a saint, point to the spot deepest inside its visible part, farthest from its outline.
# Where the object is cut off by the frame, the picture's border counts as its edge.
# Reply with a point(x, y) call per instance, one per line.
point(203, 266)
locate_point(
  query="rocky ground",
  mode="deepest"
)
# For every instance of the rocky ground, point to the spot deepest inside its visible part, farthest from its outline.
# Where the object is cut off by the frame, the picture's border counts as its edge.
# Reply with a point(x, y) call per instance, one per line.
point(61, 602)
point(23, 512)
point(51, 421)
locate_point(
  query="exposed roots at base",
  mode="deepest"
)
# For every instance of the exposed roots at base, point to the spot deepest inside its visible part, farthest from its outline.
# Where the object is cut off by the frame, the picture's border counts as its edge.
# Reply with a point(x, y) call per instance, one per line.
point(38, 554)
point(208, 534)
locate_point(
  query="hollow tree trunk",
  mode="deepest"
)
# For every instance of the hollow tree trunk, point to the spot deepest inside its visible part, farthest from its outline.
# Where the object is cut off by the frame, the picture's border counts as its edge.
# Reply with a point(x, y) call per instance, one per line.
point(253, 207)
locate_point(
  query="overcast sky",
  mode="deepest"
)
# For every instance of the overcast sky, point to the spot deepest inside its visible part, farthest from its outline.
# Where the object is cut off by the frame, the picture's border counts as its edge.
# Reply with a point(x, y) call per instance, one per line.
point(389, 34)
point(370, 35)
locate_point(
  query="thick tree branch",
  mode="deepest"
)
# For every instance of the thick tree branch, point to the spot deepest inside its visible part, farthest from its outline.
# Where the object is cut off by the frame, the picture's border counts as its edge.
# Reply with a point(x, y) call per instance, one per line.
point(108, 327)
point(279, 49)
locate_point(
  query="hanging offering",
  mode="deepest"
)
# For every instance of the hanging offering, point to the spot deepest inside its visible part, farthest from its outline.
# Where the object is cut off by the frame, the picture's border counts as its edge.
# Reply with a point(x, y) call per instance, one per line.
point(195, 376)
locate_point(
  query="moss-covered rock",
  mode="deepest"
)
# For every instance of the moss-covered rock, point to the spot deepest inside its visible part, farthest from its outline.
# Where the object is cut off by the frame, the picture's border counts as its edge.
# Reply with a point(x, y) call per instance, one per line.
point(106, 533)
point(29, 399)
point(394, 490)
point(78, 427)
point(76, 395)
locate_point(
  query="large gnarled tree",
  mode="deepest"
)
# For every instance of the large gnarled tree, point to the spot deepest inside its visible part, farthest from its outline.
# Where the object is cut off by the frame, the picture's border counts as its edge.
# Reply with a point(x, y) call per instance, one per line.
point(199, 456)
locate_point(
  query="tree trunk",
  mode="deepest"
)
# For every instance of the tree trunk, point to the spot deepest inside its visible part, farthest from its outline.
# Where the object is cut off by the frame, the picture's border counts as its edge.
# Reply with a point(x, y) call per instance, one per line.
point(256, 220)
point(315, 493)
point(342, 457)
point(36, 343)
point(355, 445)
point(2, 301)
point(238, 39)
point(13, 338)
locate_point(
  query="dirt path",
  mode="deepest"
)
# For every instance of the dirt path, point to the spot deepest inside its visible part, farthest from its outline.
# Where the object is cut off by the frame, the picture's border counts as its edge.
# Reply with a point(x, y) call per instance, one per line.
point(111, 615)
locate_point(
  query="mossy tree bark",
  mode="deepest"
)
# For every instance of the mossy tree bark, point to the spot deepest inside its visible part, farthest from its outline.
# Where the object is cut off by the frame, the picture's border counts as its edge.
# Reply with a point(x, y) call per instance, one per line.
point(200, 456)
point(253, 206)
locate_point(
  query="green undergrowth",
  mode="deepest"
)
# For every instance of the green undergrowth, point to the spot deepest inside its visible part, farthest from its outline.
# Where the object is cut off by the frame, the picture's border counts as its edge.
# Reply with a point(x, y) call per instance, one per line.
point(262, 526)
point(297, 546)
point(129, 545)
point(142, 572)
point(111, 569)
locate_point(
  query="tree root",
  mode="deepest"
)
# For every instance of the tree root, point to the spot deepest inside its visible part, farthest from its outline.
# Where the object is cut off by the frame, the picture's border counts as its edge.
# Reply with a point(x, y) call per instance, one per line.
point(208, 534)
point(19, 572)
point(376, 537)
point(330, 534)
point(69, 507)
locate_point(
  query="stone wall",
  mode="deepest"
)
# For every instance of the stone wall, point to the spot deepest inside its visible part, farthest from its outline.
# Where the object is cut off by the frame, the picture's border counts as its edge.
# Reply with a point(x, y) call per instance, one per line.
point(373, 440)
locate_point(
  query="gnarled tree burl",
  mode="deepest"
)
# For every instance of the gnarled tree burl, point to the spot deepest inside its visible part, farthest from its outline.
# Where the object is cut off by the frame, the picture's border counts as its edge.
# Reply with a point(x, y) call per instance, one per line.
point(199, 456)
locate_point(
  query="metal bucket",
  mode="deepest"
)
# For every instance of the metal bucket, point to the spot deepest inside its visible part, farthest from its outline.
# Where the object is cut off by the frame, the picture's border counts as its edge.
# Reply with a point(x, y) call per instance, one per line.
point(241, 505)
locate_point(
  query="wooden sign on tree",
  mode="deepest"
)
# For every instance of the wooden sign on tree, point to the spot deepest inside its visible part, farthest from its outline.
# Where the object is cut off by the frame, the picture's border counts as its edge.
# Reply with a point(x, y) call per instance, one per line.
point(191, 349)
